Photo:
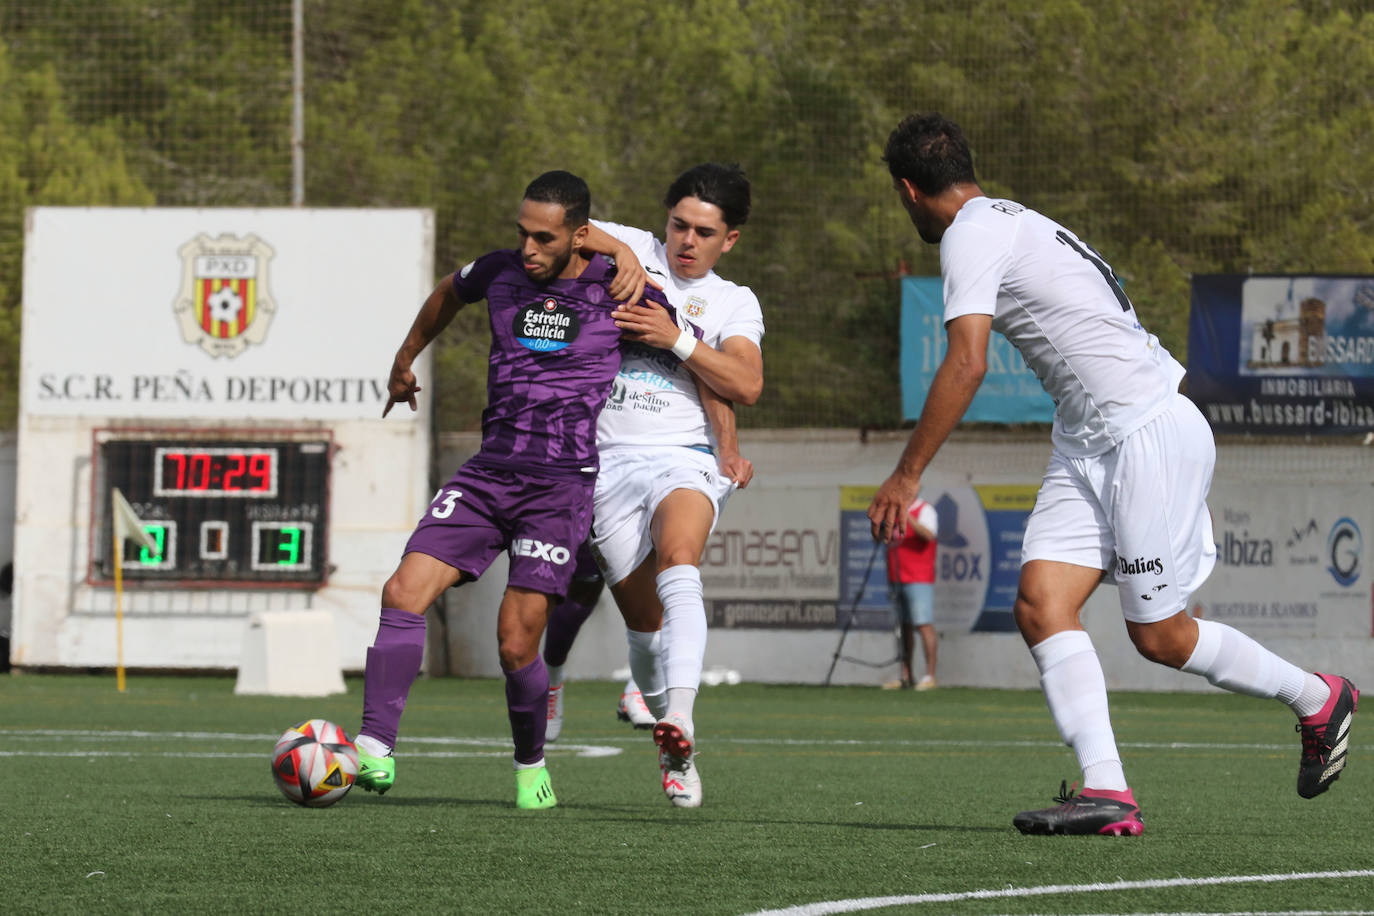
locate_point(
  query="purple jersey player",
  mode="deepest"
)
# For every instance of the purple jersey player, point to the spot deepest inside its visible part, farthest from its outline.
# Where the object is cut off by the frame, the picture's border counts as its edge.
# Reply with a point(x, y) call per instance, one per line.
point(528, 491)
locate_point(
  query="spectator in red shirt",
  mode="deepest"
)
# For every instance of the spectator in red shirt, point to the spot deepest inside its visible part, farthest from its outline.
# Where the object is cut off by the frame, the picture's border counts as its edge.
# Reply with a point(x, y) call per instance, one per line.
point(911, 582)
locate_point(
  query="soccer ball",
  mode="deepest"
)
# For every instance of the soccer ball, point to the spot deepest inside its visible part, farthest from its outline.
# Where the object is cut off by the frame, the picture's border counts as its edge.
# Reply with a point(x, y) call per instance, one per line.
point(224, 304)
point(314, 763)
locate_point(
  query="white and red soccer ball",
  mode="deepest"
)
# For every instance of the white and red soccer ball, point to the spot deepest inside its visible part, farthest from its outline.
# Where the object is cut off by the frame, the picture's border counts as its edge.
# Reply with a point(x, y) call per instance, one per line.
point(314, 763)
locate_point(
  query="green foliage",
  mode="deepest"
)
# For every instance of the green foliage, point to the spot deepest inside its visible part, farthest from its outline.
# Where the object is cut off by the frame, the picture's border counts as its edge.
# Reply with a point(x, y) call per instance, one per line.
point(46, 158)
point(1178, 137)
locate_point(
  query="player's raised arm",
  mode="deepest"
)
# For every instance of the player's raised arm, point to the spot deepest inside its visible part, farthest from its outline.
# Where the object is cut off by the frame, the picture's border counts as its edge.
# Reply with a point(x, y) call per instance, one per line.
point(435, 313)
point(630, 278)
point(735, 371)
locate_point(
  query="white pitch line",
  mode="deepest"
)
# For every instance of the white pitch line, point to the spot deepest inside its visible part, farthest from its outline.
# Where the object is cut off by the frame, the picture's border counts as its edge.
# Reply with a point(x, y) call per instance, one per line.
point(917, 743)
point(824, 908)
point(1230, 913)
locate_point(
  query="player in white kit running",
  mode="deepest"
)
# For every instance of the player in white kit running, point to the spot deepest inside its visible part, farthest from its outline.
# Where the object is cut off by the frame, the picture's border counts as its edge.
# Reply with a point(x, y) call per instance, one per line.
point(665, 470)
point(1124, 497)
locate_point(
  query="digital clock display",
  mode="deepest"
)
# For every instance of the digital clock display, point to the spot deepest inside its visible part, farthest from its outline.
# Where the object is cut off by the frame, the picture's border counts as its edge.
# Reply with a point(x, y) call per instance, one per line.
point(215, 471)
point(217, 508)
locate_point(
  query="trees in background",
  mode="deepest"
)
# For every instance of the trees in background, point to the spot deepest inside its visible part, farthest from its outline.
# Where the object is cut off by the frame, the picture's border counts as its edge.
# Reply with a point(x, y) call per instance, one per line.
point(1179, 137)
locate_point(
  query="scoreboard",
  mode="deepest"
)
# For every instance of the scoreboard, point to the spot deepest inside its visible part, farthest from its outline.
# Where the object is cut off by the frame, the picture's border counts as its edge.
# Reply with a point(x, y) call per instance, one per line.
point(250, 509)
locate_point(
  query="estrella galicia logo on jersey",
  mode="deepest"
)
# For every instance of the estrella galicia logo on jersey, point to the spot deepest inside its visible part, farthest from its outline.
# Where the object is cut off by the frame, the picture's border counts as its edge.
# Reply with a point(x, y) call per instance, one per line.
point(532, 547)
point(1139, 566)
point(546, 326)
point(1344, 546)
point(695, 306)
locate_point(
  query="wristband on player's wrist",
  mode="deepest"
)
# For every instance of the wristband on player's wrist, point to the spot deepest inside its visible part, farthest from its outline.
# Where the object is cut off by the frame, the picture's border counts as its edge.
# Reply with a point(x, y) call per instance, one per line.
point(686, 343)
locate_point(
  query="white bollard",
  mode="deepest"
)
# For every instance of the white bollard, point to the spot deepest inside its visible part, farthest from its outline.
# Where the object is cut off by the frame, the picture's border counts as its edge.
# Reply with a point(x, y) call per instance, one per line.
point(290, 653)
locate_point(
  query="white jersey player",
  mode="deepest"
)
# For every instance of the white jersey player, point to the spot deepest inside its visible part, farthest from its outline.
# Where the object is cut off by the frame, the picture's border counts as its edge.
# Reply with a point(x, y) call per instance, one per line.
point(669, 456)
point(1124, 497)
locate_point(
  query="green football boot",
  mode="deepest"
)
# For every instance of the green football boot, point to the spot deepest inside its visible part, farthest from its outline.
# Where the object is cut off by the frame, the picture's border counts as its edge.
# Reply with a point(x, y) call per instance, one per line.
point(375, 774)
point(534, 789)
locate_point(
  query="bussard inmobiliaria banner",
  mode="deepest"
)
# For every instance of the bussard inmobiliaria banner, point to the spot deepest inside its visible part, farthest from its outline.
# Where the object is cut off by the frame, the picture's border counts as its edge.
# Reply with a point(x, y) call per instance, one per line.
point(1283, 354)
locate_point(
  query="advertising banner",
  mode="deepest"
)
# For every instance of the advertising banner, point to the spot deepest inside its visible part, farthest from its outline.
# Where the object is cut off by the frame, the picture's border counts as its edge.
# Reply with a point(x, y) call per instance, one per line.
point(781, 573)
point(977, 557)
point(1283, 354)
point(773, 561)
point(218, 313)
point(1291, 560)
point(1010, 392)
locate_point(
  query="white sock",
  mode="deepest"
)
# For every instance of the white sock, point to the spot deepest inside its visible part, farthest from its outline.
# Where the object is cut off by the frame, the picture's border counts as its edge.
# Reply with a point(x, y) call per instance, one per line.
point(371, 746)
point(555, 675)
point(684, 626)
point(646, 669)
point(1315, 693)
point(529, 766)
point(680, 702)
point(1233, 661)
point(1076, 692)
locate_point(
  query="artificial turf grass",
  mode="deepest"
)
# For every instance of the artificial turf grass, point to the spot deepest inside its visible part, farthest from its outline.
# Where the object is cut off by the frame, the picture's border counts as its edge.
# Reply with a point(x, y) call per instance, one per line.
point(811, 794)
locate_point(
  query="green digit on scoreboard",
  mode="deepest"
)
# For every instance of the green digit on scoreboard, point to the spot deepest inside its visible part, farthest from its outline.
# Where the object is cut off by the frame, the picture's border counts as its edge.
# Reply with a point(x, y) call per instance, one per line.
point(148, 557)
point(290, 546)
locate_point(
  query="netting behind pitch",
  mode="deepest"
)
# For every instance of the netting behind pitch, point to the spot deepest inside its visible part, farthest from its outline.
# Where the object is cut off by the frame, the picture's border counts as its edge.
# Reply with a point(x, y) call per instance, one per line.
point(1177, 138)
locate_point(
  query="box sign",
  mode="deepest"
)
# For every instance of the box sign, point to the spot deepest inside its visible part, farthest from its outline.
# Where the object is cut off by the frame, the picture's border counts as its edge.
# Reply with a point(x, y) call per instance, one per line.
point(217, 313)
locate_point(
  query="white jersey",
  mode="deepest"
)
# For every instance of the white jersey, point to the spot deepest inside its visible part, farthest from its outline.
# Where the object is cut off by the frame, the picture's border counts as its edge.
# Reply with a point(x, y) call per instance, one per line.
point(654, 399)
point(1058, 302)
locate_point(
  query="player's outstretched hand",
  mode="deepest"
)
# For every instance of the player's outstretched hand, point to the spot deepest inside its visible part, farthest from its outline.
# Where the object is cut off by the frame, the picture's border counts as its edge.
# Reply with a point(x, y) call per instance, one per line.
point(648, 324)
point(887, 513)
point(737, 468)
point(401, 387)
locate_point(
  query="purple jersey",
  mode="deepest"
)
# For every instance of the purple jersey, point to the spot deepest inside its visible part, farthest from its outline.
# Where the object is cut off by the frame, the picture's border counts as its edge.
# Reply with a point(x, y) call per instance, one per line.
point(554, 352)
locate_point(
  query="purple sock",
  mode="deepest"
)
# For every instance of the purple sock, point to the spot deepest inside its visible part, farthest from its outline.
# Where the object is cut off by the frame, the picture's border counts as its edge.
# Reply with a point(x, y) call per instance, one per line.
point(564, 623)
point(393, 662)
point(527, 701)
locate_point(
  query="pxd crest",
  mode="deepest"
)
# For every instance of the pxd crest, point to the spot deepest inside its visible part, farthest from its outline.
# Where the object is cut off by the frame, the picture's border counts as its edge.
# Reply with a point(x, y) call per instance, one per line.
point(224, 303)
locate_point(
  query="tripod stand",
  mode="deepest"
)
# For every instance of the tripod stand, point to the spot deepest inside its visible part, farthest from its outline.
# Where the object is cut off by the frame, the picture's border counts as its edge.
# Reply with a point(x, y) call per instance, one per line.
point(849, 622)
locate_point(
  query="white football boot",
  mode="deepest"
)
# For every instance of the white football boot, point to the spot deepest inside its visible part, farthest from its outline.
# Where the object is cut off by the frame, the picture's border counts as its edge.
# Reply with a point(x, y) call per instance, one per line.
point(634, 710)
point(676, 761)
point(555, 726)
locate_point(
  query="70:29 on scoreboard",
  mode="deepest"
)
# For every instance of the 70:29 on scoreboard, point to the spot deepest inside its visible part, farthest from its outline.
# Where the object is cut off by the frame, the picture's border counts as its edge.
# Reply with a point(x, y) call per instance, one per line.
point(219, 509)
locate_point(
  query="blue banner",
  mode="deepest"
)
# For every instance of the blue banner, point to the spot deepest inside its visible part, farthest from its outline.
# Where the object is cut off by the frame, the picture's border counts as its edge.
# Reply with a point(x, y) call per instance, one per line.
point(863, 566)
point(977, 558)
point(1283, 353)
point(1010, 392)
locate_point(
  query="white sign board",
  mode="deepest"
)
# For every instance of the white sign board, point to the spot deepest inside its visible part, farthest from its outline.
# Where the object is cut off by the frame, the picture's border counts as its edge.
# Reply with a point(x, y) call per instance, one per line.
point(217, 313)
point(202, 337)
point(1291, 560)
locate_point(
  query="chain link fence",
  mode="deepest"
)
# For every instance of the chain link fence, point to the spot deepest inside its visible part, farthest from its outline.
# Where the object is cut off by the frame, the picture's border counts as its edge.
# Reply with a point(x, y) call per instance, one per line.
point(1180, 137)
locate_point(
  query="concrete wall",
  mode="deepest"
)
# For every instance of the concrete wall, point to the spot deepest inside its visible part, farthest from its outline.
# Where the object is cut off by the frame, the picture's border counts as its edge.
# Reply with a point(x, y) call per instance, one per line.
point(796, 467)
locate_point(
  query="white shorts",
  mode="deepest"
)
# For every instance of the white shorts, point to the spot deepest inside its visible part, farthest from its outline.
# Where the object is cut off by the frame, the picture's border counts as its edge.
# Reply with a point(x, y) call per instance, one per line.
point(631, 484)
point(1138, 512)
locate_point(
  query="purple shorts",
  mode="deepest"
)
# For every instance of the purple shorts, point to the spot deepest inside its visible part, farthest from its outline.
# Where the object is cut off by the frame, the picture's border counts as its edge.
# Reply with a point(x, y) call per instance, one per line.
point(482, 511)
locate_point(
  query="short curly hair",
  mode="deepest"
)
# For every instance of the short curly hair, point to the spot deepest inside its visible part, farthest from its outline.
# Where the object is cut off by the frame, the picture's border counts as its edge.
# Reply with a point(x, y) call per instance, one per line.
point(930, 151)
